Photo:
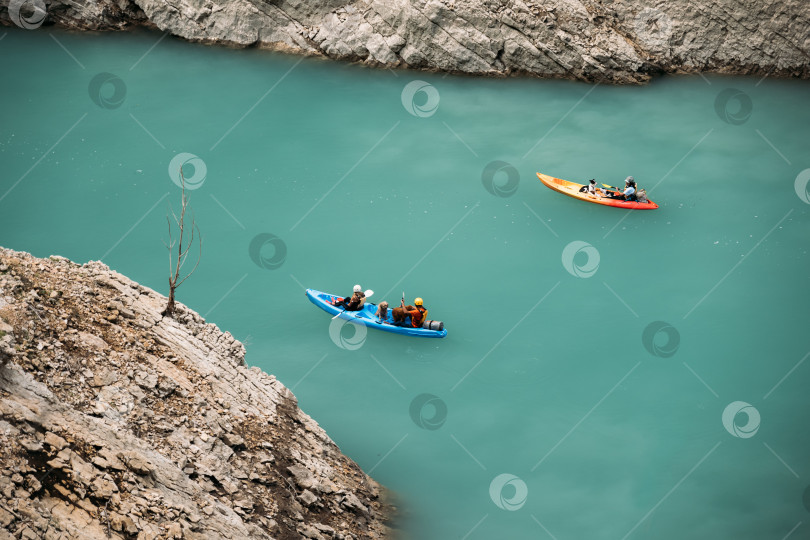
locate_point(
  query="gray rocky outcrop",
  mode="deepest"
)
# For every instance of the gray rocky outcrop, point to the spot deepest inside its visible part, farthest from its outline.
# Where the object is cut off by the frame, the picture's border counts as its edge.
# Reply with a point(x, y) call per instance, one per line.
point(595, 40)
point(117, 422)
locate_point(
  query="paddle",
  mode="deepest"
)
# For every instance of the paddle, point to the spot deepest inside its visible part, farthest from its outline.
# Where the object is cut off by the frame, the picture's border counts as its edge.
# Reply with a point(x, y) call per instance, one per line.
point(368, 294)
point(617, 190)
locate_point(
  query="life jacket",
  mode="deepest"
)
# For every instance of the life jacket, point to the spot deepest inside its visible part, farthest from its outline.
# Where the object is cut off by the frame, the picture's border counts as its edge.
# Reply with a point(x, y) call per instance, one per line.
point(419, 311)
point(631, 196)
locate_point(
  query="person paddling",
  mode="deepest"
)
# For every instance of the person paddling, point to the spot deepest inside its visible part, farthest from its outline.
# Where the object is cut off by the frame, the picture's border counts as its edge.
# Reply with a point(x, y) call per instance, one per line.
point(629, 192)
point(354, 302)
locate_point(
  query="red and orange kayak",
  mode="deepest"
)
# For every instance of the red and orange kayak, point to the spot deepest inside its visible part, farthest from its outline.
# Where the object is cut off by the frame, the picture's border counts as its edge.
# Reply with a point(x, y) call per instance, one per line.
point(572, 190)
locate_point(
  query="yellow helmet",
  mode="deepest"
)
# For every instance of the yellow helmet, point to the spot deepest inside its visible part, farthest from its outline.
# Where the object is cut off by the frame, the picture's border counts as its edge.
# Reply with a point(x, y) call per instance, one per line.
point(418, 302)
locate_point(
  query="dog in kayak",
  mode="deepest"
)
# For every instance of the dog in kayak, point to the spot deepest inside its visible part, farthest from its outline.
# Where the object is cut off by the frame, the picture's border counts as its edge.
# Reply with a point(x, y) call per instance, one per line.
point(417, 313)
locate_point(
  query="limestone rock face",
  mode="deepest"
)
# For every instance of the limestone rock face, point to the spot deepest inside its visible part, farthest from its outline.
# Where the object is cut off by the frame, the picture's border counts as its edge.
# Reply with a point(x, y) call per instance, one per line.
point(594, 40)
point(153, 427)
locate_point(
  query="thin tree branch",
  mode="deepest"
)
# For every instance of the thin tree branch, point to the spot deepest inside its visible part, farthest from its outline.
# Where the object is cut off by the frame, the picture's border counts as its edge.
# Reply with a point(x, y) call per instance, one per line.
point(199, 256)
point(183, 247)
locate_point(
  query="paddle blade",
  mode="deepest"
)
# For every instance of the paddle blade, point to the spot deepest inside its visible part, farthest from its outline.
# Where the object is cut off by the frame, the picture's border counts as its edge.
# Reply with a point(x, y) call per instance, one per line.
point(368, 293)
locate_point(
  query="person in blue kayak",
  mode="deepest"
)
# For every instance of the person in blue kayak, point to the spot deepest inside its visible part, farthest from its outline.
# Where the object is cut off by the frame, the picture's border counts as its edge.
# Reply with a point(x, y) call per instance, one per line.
point(354, 302)
point(417, 313)
point(629, 192)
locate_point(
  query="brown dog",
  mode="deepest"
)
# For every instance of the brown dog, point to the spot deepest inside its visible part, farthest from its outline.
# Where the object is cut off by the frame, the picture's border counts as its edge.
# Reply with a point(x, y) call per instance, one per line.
point(400, 314)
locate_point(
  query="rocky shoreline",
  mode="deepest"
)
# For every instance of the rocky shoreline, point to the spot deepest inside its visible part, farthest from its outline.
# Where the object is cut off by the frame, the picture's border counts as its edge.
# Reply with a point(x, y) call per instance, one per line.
point(117, 422)
point(591, 40)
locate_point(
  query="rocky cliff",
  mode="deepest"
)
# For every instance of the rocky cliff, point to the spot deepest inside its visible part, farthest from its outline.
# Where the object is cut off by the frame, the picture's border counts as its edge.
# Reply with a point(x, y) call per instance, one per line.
point(595, 40)
point(116, 422)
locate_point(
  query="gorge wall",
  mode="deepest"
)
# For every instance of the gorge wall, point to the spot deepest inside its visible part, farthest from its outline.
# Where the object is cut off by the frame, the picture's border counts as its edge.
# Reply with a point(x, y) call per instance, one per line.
point(592, 40)
point(118, 422)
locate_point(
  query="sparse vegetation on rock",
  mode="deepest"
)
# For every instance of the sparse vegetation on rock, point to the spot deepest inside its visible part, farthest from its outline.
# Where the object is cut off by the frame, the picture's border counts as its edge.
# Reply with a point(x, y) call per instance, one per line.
point(117, 422)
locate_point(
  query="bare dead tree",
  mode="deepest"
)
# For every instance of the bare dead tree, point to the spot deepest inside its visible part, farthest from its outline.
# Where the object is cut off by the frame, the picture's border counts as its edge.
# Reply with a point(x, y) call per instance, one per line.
point(183, 248)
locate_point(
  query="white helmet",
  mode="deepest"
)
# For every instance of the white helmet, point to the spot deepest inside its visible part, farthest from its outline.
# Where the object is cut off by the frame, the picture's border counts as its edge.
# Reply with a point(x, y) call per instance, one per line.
point(358, 288)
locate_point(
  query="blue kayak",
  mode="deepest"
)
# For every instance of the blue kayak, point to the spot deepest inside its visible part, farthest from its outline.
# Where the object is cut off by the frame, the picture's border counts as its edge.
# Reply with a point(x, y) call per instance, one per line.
point(367, 317)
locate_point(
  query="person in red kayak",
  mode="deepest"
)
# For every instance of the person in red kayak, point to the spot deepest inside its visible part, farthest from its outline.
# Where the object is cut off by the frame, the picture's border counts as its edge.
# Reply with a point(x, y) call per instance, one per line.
point(629, 193)
point(417, 313)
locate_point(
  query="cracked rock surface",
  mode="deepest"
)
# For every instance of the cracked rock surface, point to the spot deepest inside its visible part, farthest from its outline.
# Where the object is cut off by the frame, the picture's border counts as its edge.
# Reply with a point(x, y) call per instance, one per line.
point(593, 40)
point(117, 422)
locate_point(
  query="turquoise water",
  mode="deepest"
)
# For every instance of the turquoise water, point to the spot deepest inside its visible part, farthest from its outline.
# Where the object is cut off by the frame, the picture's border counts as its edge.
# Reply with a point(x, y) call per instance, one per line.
point(603, 377)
